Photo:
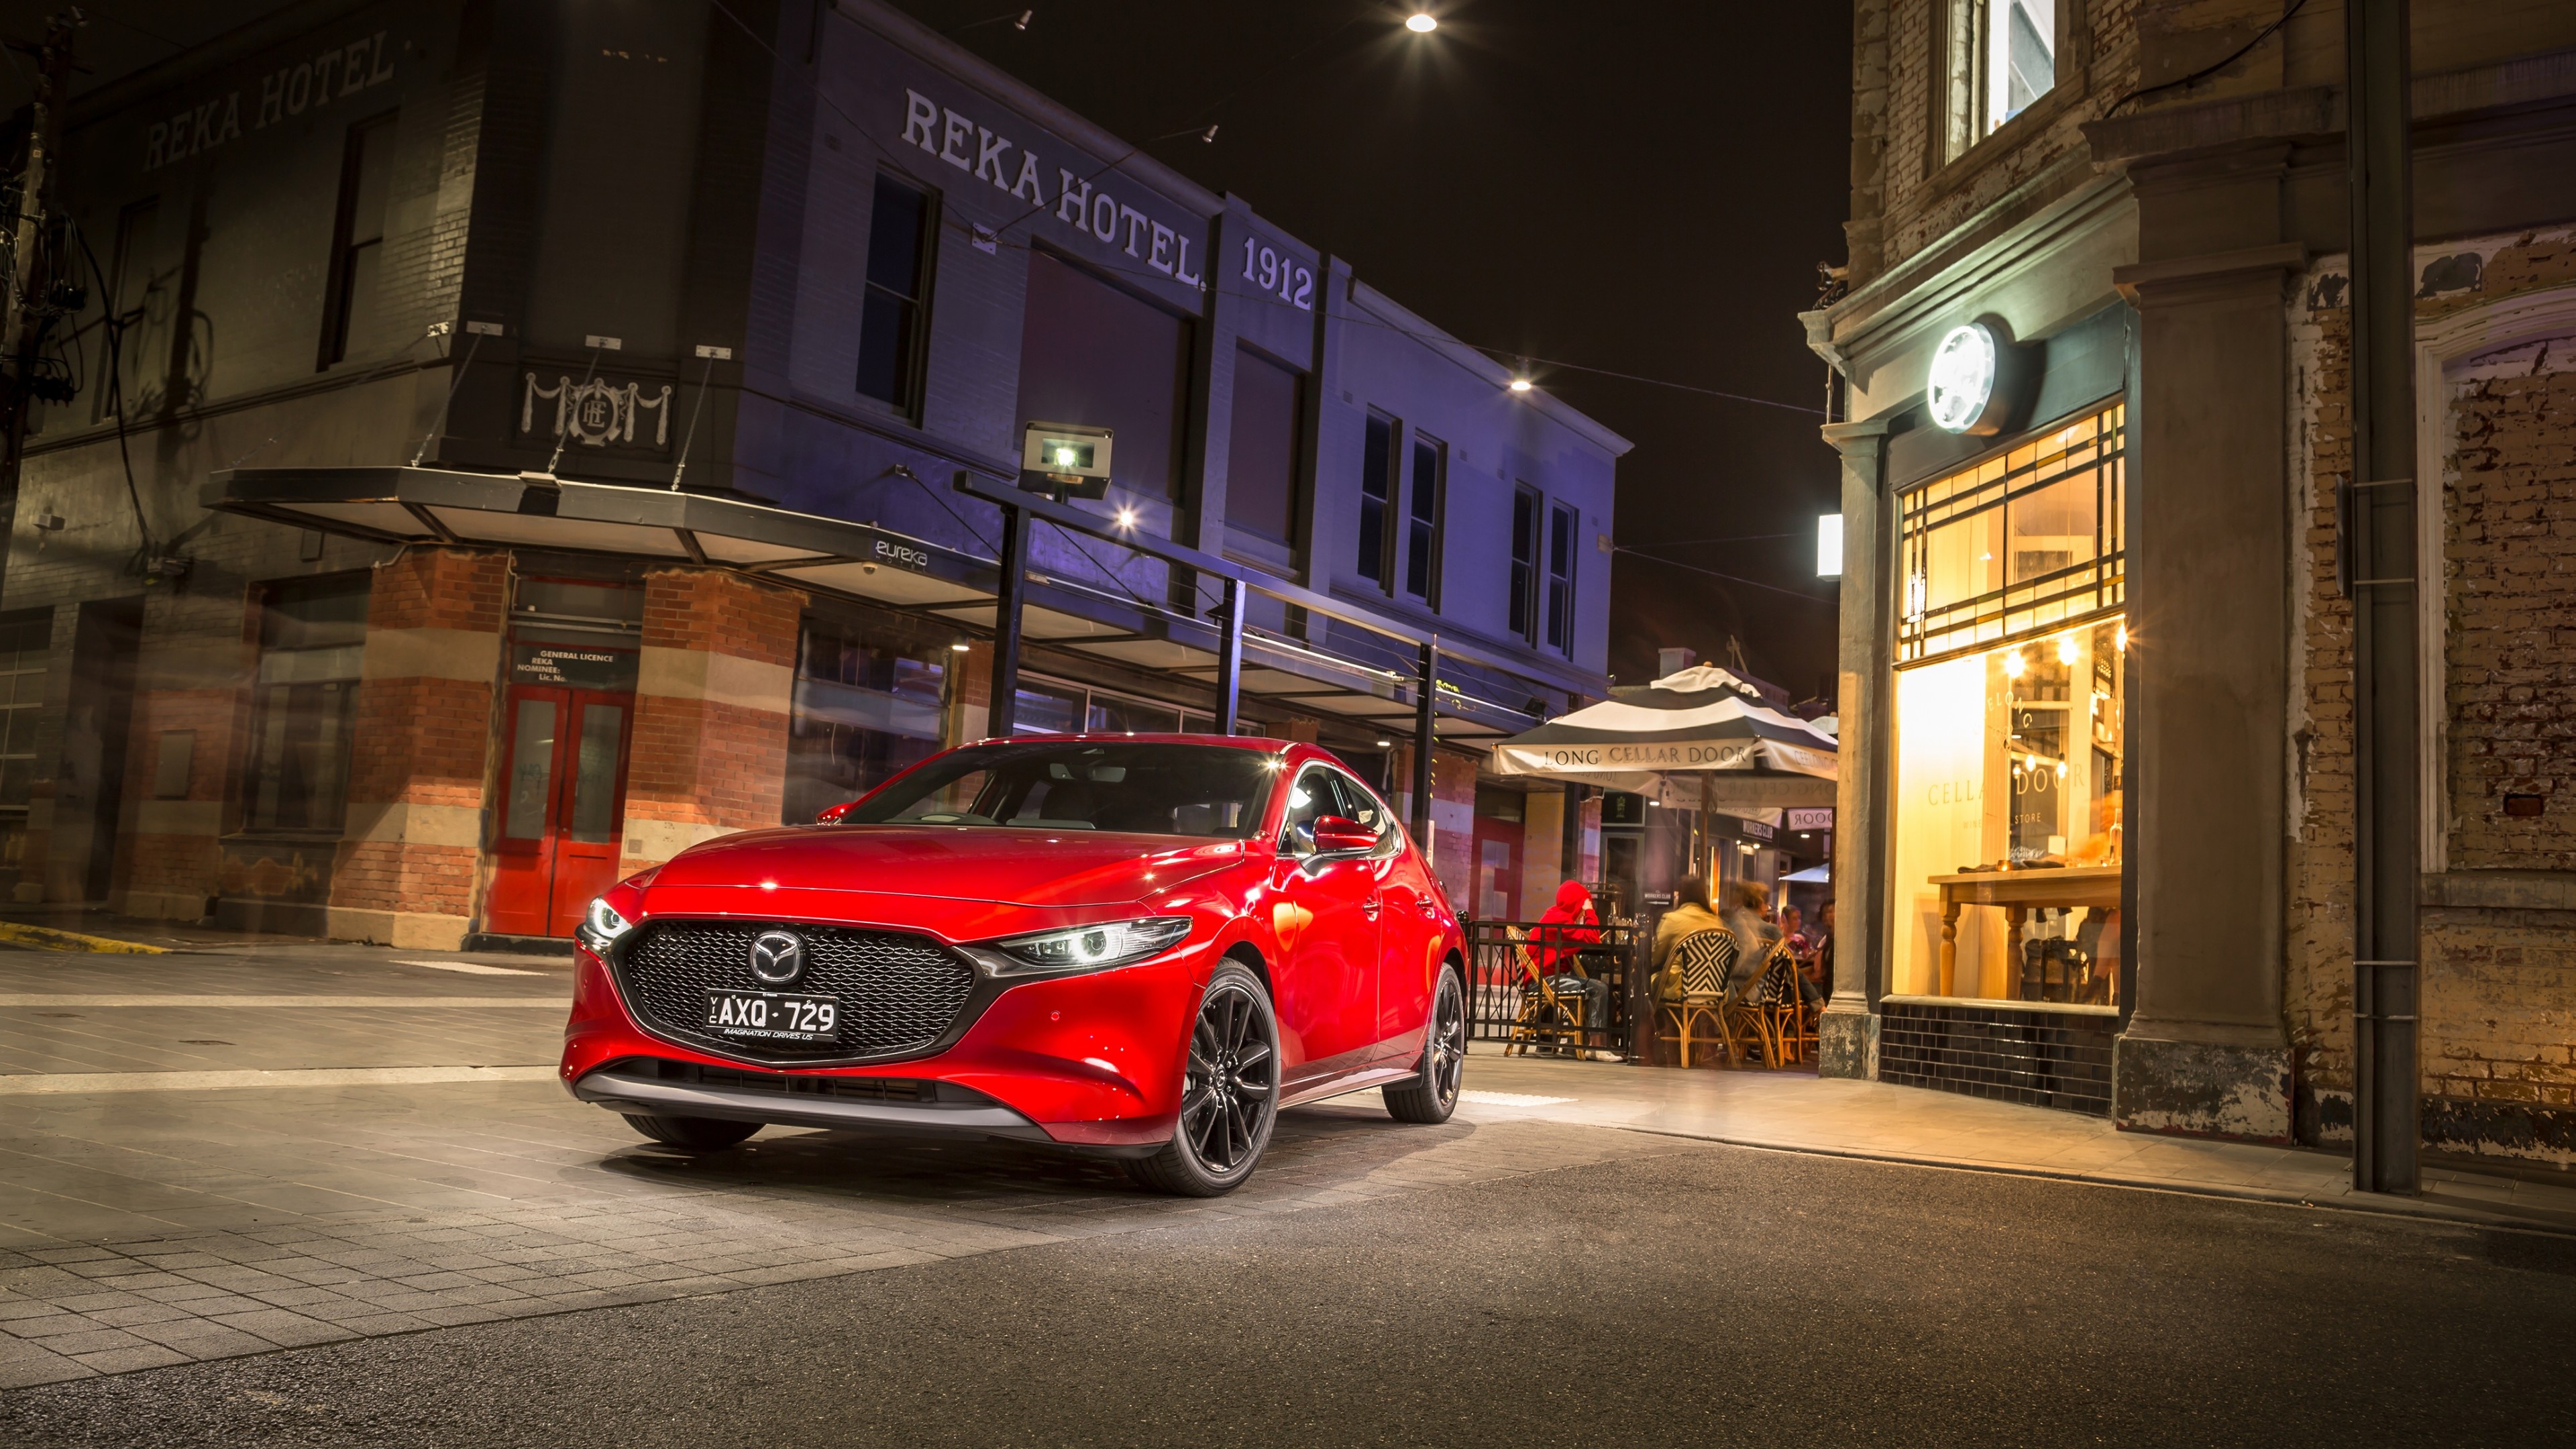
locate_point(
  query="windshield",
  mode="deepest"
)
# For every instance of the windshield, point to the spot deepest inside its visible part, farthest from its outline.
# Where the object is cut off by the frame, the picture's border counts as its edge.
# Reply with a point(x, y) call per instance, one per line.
point(1148, 789)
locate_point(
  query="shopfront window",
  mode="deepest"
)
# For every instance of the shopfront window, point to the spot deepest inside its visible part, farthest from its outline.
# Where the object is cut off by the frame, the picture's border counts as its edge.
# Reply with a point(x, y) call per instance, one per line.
point(2011, 696)
point(867, 706)
point(311, 636)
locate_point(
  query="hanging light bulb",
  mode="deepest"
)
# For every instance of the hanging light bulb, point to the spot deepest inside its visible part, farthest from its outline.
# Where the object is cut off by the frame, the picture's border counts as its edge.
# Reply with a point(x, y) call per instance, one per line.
point(2120, 639)
point(1420, 23)
point(2066, 650)
point(2014, 664)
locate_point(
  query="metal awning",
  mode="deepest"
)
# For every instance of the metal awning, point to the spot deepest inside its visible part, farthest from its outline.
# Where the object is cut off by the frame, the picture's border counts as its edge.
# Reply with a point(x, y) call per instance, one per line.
point(862, 561)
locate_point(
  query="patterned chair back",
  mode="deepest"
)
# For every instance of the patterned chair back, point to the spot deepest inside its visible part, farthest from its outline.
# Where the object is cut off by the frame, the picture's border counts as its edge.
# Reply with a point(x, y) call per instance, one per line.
point(1706, 959)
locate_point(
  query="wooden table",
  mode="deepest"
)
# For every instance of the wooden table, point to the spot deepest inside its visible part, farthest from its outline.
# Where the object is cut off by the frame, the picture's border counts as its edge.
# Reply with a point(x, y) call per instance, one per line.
point(2018, 892)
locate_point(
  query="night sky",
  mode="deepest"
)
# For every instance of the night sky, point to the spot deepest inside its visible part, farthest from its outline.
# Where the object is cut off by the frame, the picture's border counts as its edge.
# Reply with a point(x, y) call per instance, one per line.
point(1642, 188)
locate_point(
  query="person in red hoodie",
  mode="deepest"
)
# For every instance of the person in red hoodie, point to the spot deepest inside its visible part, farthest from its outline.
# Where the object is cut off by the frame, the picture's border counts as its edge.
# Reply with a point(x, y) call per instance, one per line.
point(1564, 930)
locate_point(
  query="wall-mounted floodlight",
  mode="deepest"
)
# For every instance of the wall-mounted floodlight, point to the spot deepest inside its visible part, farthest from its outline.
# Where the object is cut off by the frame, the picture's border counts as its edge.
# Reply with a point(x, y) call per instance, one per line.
point(1069, 458)
point(1829, 545)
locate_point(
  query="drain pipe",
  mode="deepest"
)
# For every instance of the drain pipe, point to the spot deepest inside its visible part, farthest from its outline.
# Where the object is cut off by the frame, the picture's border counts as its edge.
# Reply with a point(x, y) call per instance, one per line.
point(2379, 566)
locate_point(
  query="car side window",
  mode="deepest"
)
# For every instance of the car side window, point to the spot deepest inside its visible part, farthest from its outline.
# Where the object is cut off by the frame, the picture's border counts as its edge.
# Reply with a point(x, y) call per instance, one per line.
point(1358, 804)
point(1311, 799)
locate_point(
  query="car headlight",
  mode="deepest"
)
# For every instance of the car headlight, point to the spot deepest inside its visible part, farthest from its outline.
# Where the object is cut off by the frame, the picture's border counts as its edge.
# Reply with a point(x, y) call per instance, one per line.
point(601, 925)
point(1089, 948)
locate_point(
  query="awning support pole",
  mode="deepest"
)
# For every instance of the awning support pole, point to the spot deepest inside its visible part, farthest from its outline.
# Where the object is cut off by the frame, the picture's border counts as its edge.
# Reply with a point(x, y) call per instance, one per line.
point(1422, 741)
point(1006, 622)
point(1229, 660)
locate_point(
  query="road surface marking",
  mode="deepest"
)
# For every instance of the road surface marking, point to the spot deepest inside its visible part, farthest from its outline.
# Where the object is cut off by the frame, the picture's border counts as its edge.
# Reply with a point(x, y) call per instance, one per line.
point(63, 1083)
point(49, 938)
point(471, 969)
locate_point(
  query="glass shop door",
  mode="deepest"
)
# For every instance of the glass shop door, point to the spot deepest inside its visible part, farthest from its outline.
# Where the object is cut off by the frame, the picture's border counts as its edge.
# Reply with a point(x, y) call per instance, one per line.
point(562, 807)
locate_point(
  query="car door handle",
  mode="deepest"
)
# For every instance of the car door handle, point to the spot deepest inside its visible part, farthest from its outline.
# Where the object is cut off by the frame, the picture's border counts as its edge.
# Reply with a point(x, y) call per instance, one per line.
point(1369, 908)
point(1427, 906)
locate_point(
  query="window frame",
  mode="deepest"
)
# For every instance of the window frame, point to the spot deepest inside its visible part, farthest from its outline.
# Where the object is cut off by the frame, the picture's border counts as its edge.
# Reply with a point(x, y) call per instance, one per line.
point(1388, 462)
point(1564, 523)
point(1521, 616)
point(1955, 104)
point(1421, 525)
point(265, 701)
point(912, 363)
point(339, 301)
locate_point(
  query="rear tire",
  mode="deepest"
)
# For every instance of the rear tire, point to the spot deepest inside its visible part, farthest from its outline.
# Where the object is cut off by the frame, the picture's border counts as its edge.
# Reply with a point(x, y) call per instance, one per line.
point(692, 1134)
point(1433, 1093)
point(1229, 1092)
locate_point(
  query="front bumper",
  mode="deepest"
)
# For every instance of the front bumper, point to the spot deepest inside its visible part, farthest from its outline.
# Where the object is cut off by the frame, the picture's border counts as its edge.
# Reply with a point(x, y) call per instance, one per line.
point(1092, 1062)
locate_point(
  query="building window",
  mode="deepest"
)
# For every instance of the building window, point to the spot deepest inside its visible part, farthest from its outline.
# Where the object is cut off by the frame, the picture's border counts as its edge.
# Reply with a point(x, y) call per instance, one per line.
point(1059, 707)
point(1524, 580)
point(1560, 579)
point(1377, 500)
point(2000, 56)
point(869, 703)
point(24, 644)
point(891, 335)
point(2027, 538)
point(311, 634)
point(358, 239)
point(2010, 712)
point(1262, 462)
point(1422, 520)
point(1093, 352)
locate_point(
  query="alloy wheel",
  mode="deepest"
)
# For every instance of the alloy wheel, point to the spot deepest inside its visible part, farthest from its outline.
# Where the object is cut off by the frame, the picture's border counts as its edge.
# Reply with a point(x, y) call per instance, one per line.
point(1232, 1081)
point(1448, 1043)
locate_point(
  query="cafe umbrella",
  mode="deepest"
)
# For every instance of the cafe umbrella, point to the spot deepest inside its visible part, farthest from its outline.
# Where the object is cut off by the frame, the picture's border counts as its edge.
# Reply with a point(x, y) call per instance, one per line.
point(1700, 737)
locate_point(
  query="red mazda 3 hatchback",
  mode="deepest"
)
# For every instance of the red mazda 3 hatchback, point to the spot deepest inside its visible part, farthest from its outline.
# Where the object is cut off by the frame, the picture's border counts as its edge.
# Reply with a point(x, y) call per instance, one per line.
point(1133, 946)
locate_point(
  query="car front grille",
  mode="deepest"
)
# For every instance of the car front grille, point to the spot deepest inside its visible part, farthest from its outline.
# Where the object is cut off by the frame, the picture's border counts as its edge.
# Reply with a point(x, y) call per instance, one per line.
point(898, 992)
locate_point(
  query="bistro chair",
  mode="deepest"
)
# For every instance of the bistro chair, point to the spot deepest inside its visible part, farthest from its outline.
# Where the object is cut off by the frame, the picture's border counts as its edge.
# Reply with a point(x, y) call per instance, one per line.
point(1701, 964)
point(1544, 1015)
point(1787, 1007)
point(1750, 1013)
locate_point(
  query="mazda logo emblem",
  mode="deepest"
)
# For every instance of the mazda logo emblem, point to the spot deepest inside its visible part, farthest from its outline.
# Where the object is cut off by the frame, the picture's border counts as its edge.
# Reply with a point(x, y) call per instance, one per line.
point(777, 957)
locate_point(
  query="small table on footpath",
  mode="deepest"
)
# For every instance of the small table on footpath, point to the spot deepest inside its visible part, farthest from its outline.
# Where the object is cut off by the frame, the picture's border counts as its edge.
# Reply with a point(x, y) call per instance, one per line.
point(2018, 892)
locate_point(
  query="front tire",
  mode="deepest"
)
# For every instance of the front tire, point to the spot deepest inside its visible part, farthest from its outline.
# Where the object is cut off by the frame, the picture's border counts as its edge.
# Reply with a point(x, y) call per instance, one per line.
point(1229, 1092)
point(691, 1134)
point(1433, 1093)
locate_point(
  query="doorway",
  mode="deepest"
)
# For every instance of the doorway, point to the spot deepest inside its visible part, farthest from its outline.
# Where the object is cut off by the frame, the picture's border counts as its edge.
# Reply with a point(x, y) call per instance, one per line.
point(562, 806)
point(89, 790)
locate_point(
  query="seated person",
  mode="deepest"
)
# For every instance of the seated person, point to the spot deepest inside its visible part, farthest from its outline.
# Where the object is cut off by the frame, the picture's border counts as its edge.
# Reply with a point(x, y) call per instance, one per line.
point(1689, 916)
point(1564, 928)
point(1756, 939)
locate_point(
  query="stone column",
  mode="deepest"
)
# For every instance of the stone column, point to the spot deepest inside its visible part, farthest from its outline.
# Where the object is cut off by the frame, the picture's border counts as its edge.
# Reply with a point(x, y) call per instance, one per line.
point(709, 753)
point(1847, 1034)
point(2204, 1051)
point(420, 751)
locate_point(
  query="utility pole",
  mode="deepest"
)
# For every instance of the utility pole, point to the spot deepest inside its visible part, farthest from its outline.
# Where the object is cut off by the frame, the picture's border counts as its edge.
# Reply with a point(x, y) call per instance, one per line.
point(28, 309)
point(2381, 578)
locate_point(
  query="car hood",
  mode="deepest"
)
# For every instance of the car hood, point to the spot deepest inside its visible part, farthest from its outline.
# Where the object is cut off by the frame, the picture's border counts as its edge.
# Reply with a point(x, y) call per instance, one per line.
point(950, 862)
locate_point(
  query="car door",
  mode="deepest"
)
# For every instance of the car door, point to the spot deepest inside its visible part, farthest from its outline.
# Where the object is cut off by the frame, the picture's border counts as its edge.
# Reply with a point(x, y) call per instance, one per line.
point(1409, 941)
point(1325, 909)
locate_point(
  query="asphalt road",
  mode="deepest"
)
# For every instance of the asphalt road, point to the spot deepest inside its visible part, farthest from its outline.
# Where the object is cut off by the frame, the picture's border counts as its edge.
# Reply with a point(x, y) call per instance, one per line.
point(1701, 1295)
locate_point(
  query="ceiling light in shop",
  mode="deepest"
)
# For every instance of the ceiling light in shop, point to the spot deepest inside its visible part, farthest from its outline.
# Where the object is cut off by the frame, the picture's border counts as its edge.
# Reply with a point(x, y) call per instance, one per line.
point(2066, 650)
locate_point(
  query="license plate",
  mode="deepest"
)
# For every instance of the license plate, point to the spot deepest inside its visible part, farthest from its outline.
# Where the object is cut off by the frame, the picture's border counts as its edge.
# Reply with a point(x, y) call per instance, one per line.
point(762, 1016)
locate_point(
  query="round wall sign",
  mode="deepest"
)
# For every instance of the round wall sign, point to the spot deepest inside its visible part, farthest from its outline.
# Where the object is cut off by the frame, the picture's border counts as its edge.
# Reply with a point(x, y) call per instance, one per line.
point(1963, 377)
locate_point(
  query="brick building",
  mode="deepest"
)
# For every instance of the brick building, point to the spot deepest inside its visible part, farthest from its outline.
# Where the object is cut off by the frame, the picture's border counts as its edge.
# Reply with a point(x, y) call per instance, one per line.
point(517, 441)
point(2096, 340)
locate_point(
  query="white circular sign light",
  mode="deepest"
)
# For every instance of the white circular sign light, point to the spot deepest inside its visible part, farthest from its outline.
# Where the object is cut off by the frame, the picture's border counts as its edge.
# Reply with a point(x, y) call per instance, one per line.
point(1963, 377)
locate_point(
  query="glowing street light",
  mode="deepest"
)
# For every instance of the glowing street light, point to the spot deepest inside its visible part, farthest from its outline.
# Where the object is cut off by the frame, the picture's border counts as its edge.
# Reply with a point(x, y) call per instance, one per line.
point(1420, 24)
point(1520, 384)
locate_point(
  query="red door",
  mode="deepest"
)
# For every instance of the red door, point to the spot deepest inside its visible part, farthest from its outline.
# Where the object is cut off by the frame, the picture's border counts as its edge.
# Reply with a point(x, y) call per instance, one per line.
point(563, 805)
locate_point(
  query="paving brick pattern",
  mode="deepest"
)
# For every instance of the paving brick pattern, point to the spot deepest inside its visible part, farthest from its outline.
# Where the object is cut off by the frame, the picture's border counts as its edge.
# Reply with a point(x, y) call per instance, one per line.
point(537, 1206)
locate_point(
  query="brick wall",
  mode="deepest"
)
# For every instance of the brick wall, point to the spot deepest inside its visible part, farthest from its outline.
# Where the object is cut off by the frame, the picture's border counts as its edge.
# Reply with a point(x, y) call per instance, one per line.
point(709, 754)
point(2498, 995)
point(1922, 197)
point(169, 861)
point(405, 872)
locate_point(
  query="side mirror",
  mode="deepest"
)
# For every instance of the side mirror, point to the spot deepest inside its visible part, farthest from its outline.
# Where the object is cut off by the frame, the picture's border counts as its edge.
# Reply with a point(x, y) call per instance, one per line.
point(1337, 835)
point(831, 814)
